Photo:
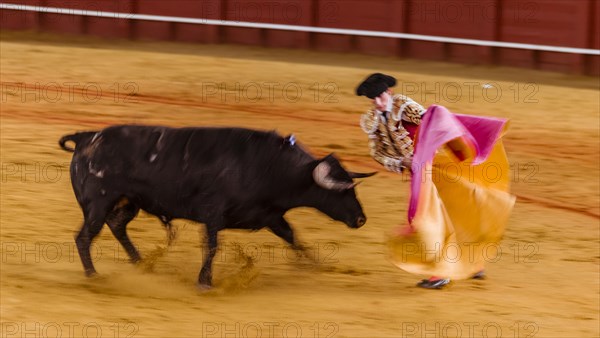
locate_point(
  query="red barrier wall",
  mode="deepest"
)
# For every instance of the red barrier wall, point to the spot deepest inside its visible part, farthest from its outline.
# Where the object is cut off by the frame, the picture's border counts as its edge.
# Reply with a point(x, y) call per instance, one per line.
point(565, 23)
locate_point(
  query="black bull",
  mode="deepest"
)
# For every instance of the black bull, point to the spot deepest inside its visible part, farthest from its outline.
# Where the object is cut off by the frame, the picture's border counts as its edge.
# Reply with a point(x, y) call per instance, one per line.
point(222, 177)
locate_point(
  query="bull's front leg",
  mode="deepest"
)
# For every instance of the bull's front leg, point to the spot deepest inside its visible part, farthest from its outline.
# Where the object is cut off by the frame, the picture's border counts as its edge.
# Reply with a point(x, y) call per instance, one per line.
point(281, 228)
point(205, 277)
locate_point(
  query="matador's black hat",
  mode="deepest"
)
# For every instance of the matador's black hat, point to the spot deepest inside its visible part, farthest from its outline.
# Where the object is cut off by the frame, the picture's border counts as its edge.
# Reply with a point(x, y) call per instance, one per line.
point(375, 84)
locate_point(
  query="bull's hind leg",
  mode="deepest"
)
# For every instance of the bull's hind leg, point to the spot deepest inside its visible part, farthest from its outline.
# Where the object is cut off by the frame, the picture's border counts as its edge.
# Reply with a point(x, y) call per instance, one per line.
point(117, 221)
point(92, 224)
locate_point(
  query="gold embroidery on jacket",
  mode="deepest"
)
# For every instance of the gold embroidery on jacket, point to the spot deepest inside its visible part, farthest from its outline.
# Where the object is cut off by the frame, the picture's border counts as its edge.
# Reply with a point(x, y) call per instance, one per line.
point(389, 141)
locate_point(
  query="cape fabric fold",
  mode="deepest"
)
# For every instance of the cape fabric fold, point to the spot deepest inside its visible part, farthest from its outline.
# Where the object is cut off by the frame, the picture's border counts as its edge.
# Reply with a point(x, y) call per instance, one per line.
point(460, 201)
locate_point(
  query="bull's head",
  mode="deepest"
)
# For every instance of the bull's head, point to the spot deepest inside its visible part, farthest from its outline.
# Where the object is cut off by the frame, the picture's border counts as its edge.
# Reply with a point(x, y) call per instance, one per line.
point(336, 194)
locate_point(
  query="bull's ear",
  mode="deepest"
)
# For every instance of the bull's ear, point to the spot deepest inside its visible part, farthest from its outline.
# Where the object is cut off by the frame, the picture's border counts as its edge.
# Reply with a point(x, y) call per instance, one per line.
point(361, 175)
point(331, 159)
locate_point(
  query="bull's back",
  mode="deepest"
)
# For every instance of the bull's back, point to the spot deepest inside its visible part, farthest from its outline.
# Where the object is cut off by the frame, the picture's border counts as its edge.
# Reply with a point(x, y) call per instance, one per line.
point(186, 147)
point(198, 159)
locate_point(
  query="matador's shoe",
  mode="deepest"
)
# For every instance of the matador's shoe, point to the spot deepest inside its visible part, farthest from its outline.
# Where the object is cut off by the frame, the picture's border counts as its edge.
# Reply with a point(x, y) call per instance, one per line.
point(433, 283)
point(479, 275)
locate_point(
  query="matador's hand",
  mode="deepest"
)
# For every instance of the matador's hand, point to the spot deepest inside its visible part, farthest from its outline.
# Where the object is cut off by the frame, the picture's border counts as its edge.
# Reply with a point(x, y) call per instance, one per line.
point(407, 163)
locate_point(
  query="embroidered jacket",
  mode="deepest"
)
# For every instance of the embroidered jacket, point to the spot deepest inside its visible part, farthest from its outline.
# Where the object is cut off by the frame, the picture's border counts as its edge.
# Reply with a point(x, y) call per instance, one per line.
point(389, 141)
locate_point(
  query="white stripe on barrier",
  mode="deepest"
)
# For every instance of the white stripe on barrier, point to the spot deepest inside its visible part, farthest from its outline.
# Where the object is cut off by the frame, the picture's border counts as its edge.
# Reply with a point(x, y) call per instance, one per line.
point(356, 32)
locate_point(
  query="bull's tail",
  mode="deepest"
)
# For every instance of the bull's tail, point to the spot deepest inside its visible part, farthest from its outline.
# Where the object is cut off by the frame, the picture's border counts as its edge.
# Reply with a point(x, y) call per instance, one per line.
point(76, 138)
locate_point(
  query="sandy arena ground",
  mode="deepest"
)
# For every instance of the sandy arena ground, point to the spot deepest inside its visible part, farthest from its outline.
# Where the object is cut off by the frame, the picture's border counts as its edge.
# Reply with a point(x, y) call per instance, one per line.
point(544, 282)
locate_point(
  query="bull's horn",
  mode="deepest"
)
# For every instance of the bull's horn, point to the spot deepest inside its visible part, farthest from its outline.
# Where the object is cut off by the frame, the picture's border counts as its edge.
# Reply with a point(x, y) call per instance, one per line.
point(361, 175)
point(321, 176)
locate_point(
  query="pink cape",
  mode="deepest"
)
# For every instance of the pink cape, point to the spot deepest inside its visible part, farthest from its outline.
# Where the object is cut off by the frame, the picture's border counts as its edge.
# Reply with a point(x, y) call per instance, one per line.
point(439, 127)
point(459, 203)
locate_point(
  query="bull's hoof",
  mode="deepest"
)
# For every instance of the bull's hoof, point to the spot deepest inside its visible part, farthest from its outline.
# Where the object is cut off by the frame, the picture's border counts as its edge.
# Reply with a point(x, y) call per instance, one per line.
point(202, 287)
point(91, 273)
point(303, 252)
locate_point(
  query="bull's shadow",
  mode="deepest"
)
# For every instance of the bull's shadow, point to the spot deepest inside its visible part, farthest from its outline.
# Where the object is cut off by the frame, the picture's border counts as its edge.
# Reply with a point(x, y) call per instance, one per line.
point(225, 178)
